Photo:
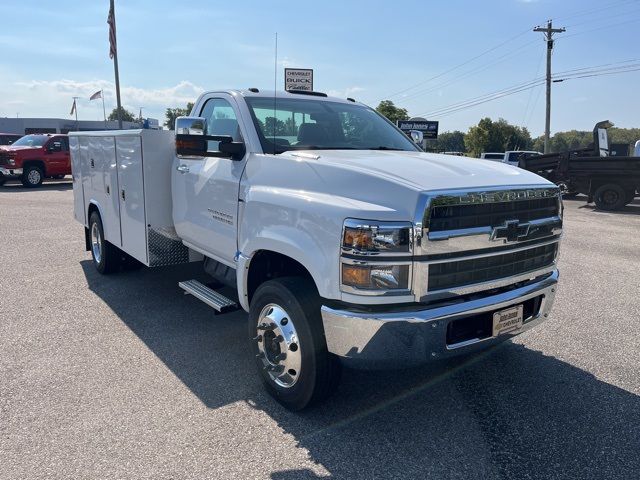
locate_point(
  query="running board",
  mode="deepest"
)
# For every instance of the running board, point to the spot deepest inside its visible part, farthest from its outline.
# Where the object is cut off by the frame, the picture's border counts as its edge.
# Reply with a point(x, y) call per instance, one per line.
point(215, 300)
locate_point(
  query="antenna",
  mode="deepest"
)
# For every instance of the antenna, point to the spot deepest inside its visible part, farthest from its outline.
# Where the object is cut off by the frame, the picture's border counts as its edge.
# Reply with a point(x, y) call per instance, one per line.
point(275, 86)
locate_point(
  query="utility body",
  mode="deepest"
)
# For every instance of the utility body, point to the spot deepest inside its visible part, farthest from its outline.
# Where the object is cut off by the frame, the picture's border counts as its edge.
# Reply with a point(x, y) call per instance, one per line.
point(344, 241)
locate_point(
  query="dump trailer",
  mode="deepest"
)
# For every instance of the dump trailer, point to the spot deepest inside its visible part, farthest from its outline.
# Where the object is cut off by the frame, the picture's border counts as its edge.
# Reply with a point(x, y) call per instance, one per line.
point(610, 181)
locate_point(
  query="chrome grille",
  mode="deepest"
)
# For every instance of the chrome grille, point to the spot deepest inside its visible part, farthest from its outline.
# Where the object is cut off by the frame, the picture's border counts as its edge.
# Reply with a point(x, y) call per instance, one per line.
point(470, 241)
point(454, 217)
point(484, 269)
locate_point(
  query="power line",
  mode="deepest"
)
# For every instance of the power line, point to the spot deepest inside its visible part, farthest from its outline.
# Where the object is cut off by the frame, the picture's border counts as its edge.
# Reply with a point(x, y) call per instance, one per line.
point(458, 66)
point(595, 10)
point(472, 102)
point(468, 73)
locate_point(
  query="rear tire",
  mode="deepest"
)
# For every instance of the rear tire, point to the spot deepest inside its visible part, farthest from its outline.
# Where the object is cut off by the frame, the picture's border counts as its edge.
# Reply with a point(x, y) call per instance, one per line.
point(610, 197)
point(106, 257)
point(32, 176)
point(291, 353)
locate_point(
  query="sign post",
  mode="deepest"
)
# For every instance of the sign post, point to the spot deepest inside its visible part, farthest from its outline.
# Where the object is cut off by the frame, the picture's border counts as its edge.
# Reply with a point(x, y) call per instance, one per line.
point(298, 79)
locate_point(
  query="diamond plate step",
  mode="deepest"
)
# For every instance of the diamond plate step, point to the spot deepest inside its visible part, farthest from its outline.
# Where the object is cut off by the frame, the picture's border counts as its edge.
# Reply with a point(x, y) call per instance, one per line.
point(215, 300)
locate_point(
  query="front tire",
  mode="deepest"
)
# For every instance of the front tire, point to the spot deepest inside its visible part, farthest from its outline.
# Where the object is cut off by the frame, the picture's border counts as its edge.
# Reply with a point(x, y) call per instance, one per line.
point(610, 197)
point(32, 176)
point(288, 340)
point(106, 257)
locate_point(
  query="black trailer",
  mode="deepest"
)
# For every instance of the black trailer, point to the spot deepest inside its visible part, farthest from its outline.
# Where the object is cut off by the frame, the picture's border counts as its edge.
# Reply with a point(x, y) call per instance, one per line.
point(610, 181)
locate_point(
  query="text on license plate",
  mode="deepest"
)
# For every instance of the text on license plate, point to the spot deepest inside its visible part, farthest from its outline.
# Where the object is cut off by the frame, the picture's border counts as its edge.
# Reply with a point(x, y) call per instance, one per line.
point(507, 320)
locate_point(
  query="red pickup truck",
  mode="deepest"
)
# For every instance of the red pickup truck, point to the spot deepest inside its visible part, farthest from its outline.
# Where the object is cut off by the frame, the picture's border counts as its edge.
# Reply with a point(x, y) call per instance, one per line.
point(34, 158)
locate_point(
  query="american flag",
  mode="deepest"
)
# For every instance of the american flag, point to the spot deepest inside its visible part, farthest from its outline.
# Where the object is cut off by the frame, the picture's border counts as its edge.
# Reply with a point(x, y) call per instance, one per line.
point(111, 20)
point(73, 107)
point(96, 95)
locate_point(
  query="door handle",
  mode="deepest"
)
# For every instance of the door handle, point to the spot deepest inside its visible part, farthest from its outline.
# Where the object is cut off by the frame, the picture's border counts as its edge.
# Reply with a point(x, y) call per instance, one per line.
point(183, 168)
point(93, 164)
point(122, 195)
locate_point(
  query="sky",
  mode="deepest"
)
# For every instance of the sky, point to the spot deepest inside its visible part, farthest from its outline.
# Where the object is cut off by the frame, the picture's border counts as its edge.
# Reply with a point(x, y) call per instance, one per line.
point(425, 56)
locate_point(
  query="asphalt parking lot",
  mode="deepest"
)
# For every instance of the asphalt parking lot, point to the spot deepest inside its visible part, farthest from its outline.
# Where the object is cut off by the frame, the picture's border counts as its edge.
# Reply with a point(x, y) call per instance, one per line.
point(125, 377)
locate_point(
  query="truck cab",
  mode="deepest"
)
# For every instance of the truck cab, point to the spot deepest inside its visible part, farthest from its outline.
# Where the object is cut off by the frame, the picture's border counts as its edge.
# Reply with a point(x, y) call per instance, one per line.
point(32, 158)
point(341, 238)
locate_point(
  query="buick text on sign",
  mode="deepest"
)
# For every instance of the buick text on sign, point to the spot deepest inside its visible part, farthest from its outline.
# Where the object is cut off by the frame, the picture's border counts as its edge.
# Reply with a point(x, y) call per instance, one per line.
point(298, 79)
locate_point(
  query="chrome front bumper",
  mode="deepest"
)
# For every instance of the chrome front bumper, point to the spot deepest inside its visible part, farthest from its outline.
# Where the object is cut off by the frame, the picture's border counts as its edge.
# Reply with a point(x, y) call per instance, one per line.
point(10, 172)
point(409, 338)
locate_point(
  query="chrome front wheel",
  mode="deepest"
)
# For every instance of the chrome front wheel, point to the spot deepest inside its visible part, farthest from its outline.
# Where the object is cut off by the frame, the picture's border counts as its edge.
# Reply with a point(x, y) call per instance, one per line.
point(278, 345)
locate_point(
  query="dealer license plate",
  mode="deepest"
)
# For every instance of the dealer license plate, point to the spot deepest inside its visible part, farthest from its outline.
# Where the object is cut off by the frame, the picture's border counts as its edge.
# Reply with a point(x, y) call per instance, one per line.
point(507, 320)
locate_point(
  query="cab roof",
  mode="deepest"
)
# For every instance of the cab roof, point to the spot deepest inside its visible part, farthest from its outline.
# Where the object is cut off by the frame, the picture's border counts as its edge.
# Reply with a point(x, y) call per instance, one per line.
point(254, 92)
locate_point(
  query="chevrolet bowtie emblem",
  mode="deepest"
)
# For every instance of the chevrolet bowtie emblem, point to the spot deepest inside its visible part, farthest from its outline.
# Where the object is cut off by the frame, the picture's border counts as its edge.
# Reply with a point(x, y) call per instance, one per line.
point(510, 231)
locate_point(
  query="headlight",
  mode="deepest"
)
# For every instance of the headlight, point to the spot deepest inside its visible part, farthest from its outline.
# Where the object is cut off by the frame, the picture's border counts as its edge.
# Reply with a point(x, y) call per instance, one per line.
point(376, 277)
point(368, 266)
point(364, 238)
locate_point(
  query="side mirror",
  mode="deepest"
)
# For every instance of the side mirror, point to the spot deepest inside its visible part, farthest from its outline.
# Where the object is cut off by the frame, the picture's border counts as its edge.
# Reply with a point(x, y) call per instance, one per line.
point(191, 140)
point(417, 136)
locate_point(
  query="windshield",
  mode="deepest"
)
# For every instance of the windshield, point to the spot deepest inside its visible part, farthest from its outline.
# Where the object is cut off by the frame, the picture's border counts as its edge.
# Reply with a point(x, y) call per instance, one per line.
point(309, 124)
point(30, 141)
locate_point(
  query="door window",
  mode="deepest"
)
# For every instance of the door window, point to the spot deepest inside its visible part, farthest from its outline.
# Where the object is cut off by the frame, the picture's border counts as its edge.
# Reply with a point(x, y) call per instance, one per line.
point(221, 120)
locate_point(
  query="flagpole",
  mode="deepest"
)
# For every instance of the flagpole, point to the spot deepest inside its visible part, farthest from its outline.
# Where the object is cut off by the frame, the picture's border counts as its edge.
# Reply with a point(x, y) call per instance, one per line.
point(104, 112)
point(75, 103)
point(115, 66)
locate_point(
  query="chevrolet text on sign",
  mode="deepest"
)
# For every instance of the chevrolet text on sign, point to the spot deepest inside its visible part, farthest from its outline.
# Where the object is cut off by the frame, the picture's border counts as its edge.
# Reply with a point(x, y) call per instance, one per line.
point(298, 79)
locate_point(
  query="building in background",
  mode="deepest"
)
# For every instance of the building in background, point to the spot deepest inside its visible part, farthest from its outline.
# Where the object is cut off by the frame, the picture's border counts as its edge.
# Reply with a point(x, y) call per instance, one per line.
point(25, 126)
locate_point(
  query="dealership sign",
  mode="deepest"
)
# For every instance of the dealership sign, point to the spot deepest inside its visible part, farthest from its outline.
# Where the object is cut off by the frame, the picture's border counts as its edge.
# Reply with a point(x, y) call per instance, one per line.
point(429, 128)
point(298, 79)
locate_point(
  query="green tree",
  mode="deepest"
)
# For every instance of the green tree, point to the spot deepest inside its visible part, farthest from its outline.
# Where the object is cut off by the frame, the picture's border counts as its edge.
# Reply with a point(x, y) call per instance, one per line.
point(498, 136)
point(450, 142)
point(127, 116)
point(172, 113)
point(393, 113)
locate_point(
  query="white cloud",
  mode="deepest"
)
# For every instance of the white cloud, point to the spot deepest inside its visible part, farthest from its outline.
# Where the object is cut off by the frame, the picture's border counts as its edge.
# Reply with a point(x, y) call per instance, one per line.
point(179, 94)
point(53, 98)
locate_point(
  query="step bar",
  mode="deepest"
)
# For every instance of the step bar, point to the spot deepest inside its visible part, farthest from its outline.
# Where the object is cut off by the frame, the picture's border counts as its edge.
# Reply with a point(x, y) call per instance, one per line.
point(215, 300)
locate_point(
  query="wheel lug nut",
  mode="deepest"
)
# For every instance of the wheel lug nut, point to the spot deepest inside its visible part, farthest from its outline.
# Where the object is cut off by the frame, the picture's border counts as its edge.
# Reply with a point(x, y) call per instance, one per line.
point(278, 339)
point(266, 326)
point(282, 356)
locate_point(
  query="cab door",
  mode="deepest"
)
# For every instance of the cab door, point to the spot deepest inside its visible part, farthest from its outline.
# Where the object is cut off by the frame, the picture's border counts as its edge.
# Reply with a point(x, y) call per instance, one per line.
point(205, 189)
point(57, 156)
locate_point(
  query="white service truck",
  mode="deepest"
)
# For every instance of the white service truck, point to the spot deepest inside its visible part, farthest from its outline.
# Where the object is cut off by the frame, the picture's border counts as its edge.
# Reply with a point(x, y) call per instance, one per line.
point(345, 243)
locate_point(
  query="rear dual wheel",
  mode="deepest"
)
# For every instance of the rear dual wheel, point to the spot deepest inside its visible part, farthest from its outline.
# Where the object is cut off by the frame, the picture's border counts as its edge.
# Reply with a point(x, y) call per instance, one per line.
point(289, 344)
point(106, 257)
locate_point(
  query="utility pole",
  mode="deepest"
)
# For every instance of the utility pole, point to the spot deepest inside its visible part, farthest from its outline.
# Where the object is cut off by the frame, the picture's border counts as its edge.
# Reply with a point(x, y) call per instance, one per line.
point(548, 33)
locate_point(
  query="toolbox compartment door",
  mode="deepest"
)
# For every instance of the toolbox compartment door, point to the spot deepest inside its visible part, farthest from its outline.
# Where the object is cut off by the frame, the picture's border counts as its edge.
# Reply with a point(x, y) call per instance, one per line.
point(131, 196)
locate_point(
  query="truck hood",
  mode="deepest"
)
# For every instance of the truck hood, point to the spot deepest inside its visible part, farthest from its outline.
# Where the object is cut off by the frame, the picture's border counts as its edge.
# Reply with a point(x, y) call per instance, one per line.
point(418, 170)
point(20, 148)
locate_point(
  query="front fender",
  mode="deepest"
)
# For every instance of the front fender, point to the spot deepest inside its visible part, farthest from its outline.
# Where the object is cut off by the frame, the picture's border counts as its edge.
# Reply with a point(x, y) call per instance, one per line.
point(310, 236)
